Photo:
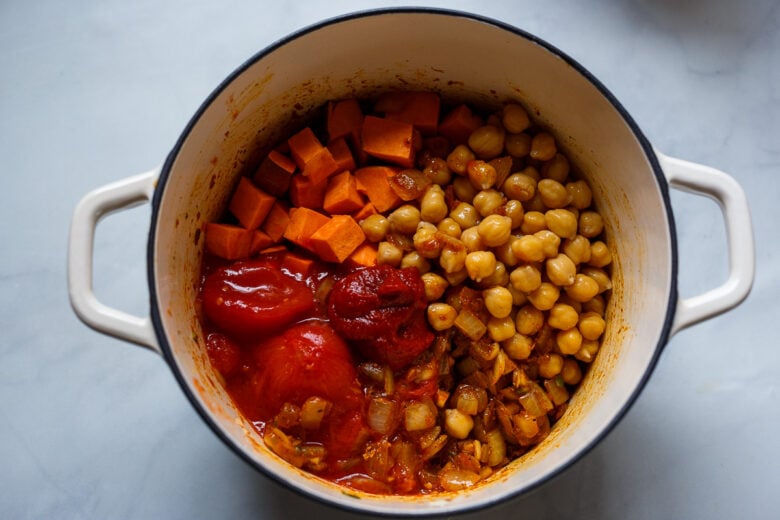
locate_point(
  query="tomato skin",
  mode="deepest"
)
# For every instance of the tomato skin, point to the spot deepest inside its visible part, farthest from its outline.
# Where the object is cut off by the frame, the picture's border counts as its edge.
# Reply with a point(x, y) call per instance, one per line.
point(309, 359)
point(254, 297)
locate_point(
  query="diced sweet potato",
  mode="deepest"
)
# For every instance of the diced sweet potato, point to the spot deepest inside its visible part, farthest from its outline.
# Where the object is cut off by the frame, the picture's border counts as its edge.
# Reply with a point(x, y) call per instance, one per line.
point(228, 241)
point(303, 223)
point(337, 239)
point(373, 181)
point(341, 153)
point(274, 174)
point(297, 264)
point(344, 119)
point(341, 195)
point(260, 240)
point(364, 256)
point(320, 167)
point(388, 140)
point(421, 109)
point(276, 221)
point(250, 204)
point(304, 146)
point(365, 212)
point(306, 194)
point(458, 124)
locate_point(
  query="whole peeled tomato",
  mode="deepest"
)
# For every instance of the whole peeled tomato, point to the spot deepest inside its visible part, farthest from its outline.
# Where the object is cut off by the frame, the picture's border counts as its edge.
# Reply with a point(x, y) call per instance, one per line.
point(308, 359)
point(254, 297)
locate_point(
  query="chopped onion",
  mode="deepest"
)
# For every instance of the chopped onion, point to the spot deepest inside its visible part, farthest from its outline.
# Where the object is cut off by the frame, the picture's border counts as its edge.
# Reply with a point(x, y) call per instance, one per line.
point(496, 447)
point(382, 415)
point(313, 411)
point(454, 479)
point(420, 416)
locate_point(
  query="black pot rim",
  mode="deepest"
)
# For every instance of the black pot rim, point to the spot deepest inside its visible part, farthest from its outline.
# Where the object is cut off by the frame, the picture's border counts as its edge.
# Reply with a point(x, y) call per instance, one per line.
point(645, 144)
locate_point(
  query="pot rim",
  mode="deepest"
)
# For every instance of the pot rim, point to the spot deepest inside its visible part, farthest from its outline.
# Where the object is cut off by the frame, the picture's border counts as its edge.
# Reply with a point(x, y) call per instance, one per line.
point(649, 153)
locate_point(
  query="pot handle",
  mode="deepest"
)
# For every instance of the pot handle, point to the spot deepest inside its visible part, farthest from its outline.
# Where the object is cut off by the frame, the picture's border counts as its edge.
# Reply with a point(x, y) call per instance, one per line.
point(703, 180)
point(96, 204)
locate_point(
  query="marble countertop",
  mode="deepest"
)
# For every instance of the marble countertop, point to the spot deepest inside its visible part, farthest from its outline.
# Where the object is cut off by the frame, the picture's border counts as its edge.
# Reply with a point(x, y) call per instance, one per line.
point(94, 91)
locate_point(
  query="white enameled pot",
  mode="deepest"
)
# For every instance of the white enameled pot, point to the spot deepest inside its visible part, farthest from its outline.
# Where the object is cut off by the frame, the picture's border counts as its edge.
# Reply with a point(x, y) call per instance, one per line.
point(465, 58)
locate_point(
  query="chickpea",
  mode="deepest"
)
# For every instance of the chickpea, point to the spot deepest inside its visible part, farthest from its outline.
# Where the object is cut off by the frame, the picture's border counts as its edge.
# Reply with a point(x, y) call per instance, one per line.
point(533, 221)
point(514, 210)
point(457, 277)
point(518, 297)
point(562, 222)
point(487, 202)
point(529, 320)
point(531, 172)
point(498, 301)
point(591, 224)
point(433, 208)
point(459, 158)
point(465, 215)
point(591, 325)
point(561, 270)
point(556, 168)
point(518, 347)
point(495, 230)
point(389, 254)
point(569, 341)
point(463, 189)
point(535, 203)
point(553, 193)
point(562, 316)
point(472, 239)
point(595, 304)
point(577, 306)
point(571, 373)
point(504, 252)
point(375, 227)
point(517, 145)
point(453, 258)
point(587, 351)
point(578, 249)
point(438, 171)
point(500, 329)
point(545, 296)
point(414, 259)
point(543, 147)
point(480, 264)
point(514, 118)
point(487, 141)
point(441, 316)
point(600, 276)
point(434, 285)
point(583, 289)
point(427, 241)
point(405, 219)
point(526, 278)
point(449, 227)
point(482, 175)
point(580, 195)
point(500, 276)
point(599, 254)
point(550, 365)
point(528, 248)
point(550, 242)
point(519, 186)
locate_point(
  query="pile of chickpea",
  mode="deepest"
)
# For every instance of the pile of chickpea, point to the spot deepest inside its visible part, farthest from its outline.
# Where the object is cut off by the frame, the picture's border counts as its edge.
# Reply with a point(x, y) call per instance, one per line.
point(505, 220)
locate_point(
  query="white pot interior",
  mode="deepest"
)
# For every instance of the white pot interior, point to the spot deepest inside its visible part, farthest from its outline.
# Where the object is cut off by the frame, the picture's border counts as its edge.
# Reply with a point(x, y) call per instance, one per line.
point(465, 59)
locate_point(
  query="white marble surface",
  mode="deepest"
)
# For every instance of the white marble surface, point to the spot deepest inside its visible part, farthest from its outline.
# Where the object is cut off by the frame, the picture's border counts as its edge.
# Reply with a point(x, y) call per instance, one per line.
point(93, 91)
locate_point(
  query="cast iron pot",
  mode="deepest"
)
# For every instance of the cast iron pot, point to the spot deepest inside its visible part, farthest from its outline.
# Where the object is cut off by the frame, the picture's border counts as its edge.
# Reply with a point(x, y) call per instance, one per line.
point(465, 58)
